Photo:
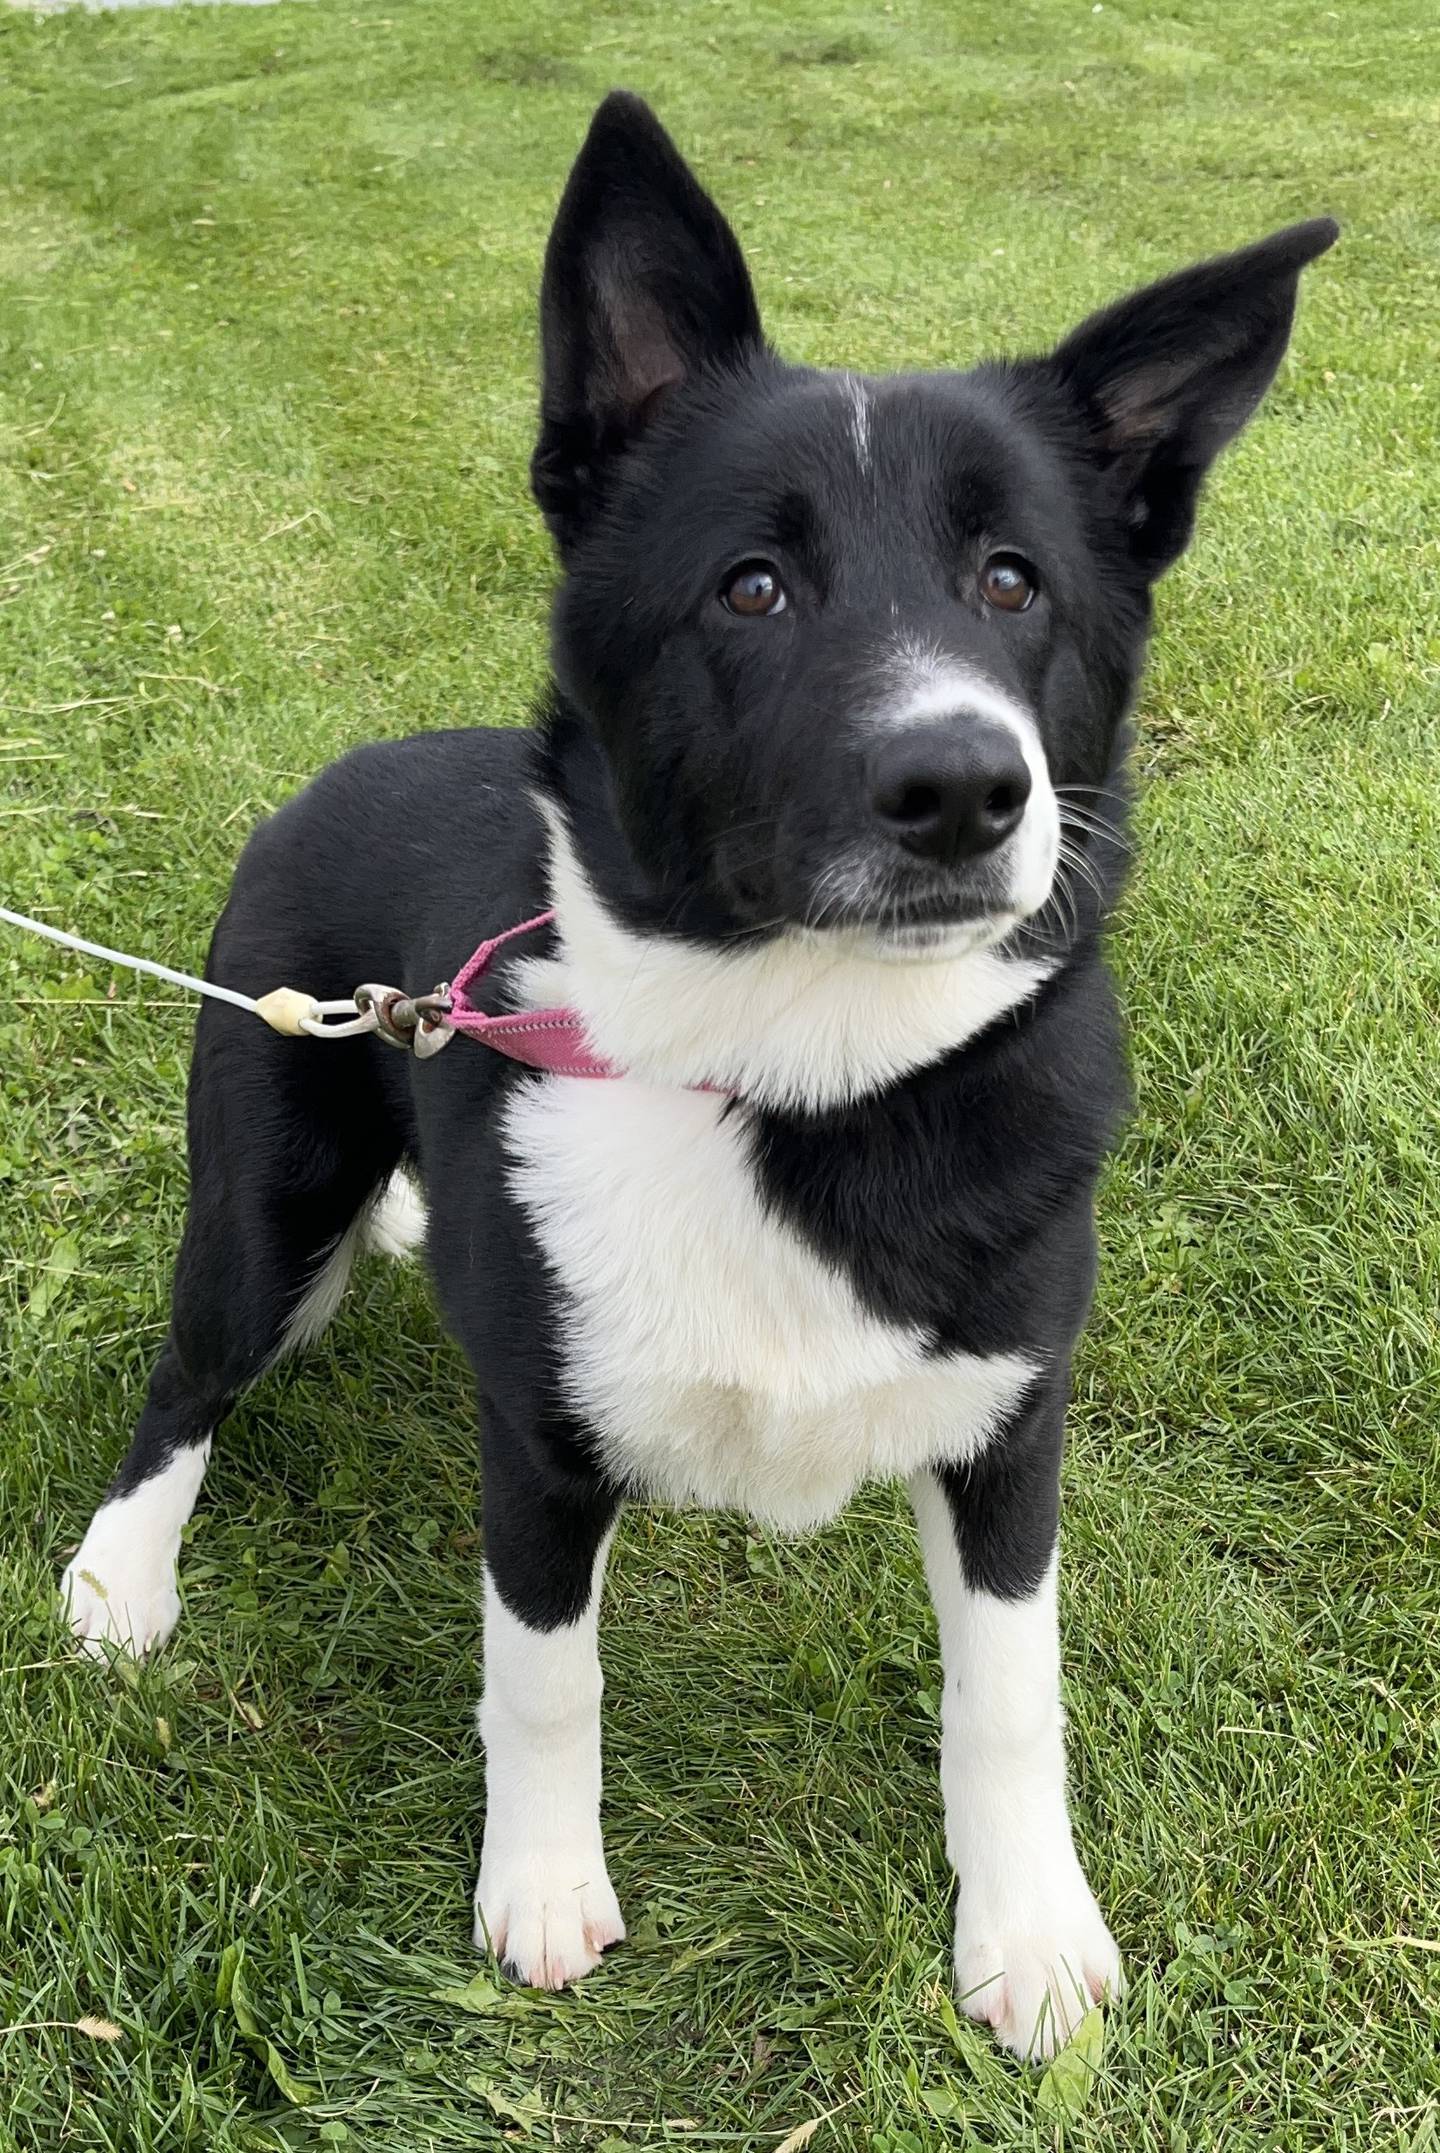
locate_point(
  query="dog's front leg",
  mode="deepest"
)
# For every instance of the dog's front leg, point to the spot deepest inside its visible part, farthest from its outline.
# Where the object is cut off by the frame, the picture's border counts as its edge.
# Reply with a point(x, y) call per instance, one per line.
point(1032, 1951)
point(543, 1901)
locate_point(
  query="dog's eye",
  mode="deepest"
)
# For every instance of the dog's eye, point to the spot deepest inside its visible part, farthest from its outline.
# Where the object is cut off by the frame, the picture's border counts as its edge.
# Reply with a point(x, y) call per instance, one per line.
point(753, 589)
point(1007, 582)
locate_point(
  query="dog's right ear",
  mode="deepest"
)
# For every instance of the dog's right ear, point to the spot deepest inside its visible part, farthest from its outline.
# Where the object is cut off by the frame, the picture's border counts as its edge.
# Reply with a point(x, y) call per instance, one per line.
point(644, 285)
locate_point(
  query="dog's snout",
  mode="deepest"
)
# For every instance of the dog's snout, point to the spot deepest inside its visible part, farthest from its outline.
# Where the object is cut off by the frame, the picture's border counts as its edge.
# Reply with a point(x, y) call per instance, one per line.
point(950, 790)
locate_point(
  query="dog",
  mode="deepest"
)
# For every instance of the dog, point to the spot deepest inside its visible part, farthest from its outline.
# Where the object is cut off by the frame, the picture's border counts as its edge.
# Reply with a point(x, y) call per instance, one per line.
point(813, 842)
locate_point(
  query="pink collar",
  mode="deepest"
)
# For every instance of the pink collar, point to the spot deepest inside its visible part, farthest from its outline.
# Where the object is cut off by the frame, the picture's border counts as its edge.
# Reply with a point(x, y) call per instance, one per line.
point(552, 1039)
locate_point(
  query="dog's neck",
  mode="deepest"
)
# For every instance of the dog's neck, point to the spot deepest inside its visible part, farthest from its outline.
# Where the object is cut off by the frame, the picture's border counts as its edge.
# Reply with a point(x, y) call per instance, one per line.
point(797, 1022)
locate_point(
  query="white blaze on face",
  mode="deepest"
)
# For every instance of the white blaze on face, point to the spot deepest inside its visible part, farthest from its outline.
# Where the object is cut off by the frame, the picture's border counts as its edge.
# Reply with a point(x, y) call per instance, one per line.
point(926, 687)
point(858, 397)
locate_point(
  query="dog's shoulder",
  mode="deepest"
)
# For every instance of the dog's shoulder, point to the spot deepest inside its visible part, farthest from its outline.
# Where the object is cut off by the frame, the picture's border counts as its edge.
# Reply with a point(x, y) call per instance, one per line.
point(392, 863)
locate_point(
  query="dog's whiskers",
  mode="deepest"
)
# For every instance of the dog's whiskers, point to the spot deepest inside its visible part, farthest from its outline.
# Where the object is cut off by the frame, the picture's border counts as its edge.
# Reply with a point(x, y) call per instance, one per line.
point(1091, 792)
point(1083, 867)
point(1092, 825)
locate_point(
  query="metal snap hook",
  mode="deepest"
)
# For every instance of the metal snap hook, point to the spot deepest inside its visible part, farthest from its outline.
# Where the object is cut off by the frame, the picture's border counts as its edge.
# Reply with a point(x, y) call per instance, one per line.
point(431, 1032)
point(386, 1005)
point(413, 1022)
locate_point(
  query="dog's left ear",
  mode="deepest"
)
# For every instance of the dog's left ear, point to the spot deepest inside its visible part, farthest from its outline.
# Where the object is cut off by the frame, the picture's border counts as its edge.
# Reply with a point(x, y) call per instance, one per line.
point(1167, 377)
point(644, 285)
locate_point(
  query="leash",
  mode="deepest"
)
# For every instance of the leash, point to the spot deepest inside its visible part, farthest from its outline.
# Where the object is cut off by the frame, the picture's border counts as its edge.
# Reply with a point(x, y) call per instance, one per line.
point(551, 1039)
point(284, 1010)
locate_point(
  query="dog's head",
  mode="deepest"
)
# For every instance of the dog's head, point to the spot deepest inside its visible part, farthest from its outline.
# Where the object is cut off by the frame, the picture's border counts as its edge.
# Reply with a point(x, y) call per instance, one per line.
point(852, 650)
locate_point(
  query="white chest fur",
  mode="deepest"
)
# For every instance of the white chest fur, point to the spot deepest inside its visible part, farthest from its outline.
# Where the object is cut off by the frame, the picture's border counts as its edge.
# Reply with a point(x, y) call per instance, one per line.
point(716, 1358)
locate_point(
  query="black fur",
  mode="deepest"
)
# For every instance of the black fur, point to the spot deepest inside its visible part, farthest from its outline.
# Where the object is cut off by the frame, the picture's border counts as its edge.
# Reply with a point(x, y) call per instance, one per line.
point(710, 769)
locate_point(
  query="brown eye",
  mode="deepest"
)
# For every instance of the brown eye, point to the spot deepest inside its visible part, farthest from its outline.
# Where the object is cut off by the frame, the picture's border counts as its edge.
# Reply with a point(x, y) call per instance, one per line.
point(1007, 582)
point(754, 589)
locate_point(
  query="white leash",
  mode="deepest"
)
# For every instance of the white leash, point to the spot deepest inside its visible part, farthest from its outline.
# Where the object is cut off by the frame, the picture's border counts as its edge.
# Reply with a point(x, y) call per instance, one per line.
point(284, 1009)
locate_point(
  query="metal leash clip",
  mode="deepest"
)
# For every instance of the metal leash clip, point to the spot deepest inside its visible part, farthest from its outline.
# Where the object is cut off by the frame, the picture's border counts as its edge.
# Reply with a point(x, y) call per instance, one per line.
point(412, 1021)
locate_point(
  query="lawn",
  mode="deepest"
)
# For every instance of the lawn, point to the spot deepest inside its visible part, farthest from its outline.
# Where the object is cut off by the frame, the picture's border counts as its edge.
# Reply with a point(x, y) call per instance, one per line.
point(266, 394)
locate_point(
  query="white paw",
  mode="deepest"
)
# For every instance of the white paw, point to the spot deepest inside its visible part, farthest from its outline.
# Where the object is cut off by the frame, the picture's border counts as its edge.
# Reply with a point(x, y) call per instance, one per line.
point(110, 1597)
point(120, 1589)
point(1034, 1975)
point(547, 1921)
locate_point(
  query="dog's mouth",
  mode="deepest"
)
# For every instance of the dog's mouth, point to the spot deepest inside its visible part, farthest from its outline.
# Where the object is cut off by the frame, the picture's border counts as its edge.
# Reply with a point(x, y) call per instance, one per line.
point(902, 915)
point(921, 931)
point(916, 927)
point(935, 912)
point(893, 908)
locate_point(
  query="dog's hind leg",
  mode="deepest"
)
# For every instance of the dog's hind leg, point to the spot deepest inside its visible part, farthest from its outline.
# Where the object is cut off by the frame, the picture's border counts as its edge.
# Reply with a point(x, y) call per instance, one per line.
point(285, 1162)
point(396, 1225)
point(120, 1585)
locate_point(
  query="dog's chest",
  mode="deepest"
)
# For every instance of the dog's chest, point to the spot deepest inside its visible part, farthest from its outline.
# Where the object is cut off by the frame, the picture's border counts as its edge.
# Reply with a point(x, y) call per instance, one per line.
point(715, 1357)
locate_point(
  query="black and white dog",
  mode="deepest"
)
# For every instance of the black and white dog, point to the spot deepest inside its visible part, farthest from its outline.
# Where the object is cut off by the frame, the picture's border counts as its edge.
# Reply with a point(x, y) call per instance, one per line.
point(826, 801)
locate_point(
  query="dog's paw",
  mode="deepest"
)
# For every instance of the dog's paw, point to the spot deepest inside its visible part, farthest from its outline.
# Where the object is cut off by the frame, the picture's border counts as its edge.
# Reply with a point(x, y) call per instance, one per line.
point(548, 1922)
point(110, 1598)
point(1033, 1979)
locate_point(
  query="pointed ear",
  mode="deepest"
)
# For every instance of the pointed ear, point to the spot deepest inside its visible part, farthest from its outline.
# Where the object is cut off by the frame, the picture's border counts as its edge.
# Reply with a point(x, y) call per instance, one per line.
point(1167, 377)
point(644, 285)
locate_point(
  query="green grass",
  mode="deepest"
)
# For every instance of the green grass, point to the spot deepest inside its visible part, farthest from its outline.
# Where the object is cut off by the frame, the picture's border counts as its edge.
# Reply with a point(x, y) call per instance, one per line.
point(266, 355)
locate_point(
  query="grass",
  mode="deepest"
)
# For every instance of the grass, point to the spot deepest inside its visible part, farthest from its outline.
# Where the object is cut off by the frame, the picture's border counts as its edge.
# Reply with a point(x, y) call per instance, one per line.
point(265, 404)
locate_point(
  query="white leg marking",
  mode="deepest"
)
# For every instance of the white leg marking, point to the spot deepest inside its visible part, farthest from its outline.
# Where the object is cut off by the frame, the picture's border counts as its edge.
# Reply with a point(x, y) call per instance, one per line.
point(396, 1226)
point(120, 1588)
point(1032, 1952)
point(543, 1901)
point(315, 1309)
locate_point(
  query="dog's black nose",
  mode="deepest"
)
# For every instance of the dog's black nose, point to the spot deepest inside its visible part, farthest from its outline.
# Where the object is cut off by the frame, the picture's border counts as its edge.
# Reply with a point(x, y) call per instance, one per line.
point(950, 791)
